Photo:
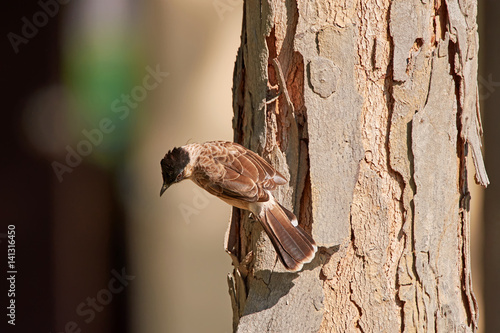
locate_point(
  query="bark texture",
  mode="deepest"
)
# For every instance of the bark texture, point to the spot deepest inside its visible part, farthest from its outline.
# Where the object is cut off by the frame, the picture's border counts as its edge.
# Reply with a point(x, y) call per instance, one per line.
point(383, 111)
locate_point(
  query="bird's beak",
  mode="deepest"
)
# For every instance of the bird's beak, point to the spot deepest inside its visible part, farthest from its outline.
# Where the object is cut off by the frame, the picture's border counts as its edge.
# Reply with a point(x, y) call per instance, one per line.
point(163, 188)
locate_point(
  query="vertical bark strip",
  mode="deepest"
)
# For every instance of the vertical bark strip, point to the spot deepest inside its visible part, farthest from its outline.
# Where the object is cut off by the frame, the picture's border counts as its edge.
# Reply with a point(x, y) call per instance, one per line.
point(384, 100)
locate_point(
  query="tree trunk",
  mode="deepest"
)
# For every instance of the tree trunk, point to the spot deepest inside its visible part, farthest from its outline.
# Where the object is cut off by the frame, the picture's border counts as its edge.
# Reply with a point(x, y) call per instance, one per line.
point(374, 138)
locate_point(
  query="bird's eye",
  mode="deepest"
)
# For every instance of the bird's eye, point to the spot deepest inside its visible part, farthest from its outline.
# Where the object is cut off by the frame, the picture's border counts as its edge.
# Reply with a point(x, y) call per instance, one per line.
point(179, 177)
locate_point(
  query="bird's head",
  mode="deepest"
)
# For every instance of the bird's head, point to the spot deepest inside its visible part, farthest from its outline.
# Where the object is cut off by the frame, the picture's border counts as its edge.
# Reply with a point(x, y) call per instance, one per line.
point(172, 167)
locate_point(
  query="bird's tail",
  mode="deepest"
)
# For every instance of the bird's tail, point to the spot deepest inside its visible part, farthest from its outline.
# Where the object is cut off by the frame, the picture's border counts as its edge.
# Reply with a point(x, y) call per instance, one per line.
point(293, 245)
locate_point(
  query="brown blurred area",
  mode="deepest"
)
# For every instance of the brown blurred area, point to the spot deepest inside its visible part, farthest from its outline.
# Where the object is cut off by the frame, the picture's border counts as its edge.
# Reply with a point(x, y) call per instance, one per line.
point(97, 249)
point(487, 256)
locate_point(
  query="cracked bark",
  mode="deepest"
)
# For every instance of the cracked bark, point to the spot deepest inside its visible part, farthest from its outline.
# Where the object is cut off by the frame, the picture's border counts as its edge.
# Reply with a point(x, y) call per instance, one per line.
point(384, 112)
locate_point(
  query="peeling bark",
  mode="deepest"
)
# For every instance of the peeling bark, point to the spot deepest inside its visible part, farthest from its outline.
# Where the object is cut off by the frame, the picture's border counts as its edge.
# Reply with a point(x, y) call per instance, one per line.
point(384, 109)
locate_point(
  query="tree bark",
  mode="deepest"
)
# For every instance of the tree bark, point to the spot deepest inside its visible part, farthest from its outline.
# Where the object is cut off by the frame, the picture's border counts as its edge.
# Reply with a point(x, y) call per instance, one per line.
point(383, 113)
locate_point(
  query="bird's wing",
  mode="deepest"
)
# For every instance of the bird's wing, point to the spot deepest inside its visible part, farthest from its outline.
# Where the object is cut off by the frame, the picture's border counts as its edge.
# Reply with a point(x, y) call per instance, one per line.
point(231, 171)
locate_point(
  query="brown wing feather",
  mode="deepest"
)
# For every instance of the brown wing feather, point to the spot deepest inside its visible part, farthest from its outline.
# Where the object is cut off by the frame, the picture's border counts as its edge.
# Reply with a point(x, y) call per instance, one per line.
point(265, 169)
point(232, 171)
point(268, 169)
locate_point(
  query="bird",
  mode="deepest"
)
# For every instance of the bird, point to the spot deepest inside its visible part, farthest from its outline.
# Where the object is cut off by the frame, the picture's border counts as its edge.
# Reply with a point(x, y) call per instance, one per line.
point(245, 180)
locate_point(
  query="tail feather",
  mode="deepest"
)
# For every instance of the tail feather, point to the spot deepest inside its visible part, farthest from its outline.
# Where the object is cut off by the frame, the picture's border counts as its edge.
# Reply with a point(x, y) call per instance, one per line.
point(293, 245)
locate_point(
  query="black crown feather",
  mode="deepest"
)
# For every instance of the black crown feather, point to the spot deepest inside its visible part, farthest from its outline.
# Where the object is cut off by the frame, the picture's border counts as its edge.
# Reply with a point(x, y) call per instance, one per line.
point(173, 163)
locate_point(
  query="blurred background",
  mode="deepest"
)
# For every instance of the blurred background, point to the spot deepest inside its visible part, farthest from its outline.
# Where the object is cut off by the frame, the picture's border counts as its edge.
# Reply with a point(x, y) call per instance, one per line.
point(95, 93)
